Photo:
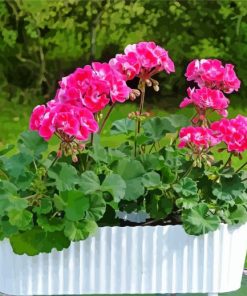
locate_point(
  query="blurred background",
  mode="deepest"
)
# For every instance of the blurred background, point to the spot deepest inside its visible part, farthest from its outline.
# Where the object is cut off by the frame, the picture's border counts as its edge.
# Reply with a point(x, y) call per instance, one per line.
point(44, 40)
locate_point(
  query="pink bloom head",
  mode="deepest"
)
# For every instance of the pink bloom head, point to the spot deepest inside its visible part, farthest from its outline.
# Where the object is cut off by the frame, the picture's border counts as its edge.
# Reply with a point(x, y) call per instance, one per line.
point(233, 132)
point(37, 117)
point(65, 119)
point(143, 59)
point(196, 138)
point(212, 74)
point(206, 98)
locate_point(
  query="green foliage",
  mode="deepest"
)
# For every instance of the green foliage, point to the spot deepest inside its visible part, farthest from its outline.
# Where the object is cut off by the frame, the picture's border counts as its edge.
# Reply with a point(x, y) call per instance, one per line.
point(45, 204)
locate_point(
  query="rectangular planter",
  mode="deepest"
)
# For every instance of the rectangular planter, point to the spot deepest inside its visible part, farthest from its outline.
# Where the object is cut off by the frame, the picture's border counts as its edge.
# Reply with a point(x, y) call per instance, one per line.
point(131, 260)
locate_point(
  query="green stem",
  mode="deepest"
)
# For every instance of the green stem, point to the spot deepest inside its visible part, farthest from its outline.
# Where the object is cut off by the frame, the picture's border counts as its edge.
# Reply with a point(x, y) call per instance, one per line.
point(242, 166)
point(188, 171)
point(228, 161)
point(142, 89)
point(54, 161)
point(106, 117)
point(153, 145)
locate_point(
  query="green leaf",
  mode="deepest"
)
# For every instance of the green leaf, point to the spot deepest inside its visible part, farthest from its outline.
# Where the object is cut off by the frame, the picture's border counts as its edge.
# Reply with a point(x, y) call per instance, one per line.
point(99, 153)
point(65, 176)
point(151, 180)
point(97, 207)
point(174, 121)
point(6, 149)
point(154, 128)
point(186, 187)
point(76, 231)
point(159, 206)
point(123, 126)
point(50, 224)
point(228, 188)
point(131, 171)
point(187, 202)
point(45, 206)
point(152, 161)
point(76, 204)
point(89, 182)
point(115, 185)
point(199, 220)
point(32, 143)
point(16, 164)
point(35, 241)
point(20, 218)
point(167, 176)
point(59, 203)
point(7, 228)
point(238, 214)
point(114, 154)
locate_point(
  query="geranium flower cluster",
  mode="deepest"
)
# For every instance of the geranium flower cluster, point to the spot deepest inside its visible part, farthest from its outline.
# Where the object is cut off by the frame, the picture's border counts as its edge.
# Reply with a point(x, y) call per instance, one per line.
point(64, 119)
point(233, 132)
point(205, 98)
point(143, 60)
point(93, 87)
point(212, 74)
point(212, 78)
point(90, 89)
point(197, 138)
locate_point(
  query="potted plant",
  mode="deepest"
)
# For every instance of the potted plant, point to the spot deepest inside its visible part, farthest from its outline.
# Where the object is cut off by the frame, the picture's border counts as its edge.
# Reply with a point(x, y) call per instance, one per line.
point(158, 212)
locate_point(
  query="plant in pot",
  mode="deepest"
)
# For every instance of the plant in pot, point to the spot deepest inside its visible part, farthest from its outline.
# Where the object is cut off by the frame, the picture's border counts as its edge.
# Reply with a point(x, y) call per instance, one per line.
point(157, 212)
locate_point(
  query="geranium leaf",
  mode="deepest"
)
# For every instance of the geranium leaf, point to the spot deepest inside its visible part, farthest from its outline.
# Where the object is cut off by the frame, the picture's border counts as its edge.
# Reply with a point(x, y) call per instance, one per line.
point(76, 204)
point(151, 179)
point(97, 207)
point(122, 126)
point(65, 176)
point(89, 182)
point(131, 171)
point(32, 143)
point(76, 231)
point(50, 224)
point(36, 240)
point(199, 220)
point(186, 187)
point(44, 207)
point(238, 214)
point(159, 206)
point(115, 185)
point(228, 188)
point(20, 218)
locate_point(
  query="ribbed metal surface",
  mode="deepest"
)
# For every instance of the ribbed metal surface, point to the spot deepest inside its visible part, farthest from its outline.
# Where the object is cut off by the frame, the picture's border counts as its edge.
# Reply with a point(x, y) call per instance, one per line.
point(160, 259)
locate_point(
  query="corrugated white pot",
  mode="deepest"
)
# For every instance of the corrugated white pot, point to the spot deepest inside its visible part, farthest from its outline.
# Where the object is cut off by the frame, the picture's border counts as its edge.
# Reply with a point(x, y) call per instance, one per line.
point(150, 259)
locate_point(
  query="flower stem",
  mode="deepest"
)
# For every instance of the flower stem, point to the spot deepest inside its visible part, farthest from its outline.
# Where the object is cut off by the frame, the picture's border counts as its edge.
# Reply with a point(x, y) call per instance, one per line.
point(106, 117)
point(242, 166)
point(142, 89)
point(228, 161)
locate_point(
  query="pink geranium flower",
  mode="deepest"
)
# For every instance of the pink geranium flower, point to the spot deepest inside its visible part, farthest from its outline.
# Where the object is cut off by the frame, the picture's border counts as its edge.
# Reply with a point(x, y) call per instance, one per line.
point(196, 137)
point(233, 132)
point(64, 119)
point(212, 74)
point(143, 59)
point(206, 98)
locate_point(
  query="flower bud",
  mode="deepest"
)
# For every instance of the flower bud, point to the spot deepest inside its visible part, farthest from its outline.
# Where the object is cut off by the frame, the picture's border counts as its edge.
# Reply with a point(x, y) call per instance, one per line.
point(156, 88)
point(148, 82)
point(74, 158)
point(59, 153)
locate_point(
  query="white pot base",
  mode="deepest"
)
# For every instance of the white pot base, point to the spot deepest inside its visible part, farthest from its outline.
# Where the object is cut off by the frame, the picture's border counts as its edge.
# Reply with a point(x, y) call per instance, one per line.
point(131, 260)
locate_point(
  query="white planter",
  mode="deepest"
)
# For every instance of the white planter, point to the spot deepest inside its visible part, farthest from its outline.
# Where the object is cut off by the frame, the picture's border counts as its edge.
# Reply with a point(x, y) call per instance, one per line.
point(131, 260)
